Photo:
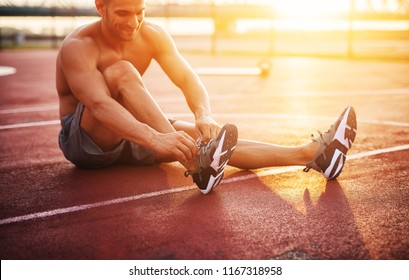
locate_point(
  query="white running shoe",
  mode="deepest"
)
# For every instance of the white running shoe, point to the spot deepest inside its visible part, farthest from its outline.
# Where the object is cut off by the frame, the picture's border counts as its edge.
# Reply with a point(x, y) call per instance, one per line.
point(334, 145)
point(213, 157)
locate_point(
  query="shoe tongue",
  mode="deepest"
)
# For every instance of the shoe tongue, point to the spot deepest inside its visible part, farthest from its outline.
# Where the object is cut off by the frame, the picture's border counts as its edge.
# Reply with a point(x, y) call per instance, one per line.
point(204, 151)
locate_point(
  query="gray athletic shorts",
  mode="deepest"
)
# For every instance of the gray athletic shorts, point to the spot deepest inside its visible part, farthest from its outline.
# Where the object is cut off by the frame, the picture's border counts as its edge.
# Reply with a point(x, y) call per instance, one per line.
point(81, 150)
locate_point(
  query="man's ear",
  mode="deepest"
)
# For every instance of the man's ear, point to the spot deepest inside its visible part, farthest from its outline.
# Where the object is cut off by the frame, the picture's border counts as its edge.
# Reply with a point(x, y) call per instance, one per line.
point(100, 5)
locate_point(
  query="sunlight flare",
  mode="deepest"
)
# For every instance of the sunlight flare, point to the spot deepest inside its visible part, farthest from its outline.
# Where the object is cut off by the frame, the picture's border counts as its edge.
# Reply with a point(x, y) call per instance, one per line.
point(300, 9)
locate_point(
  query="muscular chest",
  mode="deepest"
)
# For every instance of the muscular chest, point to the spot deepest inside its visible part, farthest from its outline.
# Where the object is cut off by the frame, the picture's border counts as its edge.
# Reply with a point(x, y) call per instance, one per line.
point(140, 58)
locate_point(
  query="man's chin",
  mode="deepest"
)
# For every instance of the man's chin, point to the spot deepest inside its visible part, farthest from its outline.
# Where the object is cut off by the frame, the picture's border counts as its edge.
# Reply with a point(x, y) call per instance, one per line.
point(127, 37)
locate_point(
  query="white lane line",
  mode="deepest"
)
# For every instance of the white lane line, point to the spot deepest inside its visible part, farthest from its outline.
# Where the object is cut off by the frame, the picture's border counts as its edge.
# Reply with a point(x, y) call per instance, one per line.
point(29, 109)
point(7, 70)
point(259, 174)
point(235, 116)
point(290, 117)
point(83, 207)
point(29, 124)
point(392, 123)
point(281, 170)
point(354, 92)
point(378, 152)
point(223, 96)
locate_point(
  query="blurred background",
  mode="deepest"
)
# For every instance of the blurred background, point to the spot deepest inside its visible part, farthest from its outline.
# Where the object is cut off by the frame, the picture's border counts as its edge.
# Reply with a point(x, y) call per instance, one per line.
point(326, 28)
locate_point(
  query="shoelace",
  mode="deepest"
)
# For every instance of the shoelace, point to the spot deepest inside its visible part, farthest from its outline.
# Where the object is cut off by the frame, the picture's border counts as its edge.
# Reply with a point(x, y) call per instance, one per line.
point(322, 138)
point(307, 168)
point(203, 148)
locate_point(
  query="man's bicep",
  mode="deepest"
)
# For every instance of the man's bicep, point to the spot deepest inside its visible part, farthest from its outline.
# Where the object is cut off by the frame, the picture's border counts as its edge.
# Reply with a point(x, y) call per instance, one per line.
point(84, 79)
point(171, 61)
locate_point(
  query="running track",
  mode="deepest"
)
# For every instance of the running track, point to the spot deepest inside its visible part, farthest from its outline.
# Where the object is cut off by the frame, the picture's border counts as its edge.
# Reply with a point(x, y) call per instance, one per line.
point(51, 210)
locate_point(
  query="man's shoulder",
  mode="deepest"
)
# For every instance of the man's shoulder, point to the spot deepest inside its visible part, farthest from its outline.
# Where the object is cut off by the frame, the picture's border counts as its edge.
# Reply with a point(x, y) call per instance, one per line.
point(157, 37)
point(84, 36)
point(153, 31)
point(149, 26)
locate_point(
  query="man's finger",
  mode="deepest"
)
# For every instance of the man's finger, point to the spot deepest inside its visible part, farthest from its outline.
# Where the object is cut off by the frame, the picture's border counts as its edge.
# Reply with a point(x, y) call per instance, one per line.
point(188, 147)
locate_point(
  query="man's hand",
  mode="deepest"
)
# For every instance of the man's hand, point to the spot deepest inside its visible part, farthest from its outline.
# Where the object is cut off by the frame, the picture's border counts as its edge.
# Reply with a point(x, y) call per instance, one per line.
point(207, 127)
point(175, 146)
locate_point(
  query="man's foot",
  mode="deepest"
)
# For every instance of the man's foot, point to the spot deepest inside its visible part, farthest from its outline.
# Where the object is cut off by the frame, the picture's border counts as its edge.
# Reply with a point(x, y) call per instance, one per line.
point(213, 157)
point(334, 144)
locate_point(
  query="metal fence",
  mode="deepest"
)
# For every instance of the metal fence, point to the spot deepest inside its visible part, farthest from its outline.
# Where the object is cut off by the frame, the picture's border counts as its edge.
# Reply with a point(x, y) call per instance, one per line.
point(264, 34)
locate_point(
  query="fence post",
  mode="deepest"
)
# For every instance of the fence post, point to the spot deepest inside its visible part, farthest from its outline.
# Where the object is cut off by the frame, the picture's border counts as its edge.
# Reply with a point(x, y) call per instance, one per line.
point(351, 29)
point(215, 35)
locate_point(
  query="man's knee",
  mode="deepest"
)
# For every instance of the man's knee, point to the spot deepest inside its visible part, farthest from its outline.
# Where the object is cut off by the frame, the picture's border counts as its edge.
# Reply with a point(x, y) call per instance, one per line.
point(120, 73)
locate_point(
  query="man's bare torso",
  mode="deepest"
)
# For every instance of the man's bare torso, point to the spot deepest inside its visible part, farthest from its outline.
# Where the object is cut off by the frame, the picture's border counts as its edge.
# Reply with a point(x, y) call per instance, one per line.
point(138, 51)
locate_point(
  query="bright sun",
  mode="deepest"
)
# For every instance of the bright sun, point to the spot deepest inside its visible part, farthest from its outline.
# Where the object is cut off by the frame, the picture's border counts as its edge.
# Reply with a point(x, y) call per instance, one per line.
point(298, 9)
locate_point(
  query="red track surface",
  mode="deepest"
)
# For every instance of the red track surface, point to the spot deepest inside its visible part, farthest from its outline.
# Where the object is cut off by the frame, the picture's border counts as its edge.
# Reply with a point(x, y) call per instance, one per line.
point(51, 210)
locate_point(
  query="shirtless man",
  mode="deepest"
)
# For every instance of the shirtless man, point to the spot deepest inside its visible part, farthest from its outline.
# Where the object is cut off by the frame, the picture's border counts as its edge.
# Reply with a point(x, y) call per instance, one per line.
point(108, 115)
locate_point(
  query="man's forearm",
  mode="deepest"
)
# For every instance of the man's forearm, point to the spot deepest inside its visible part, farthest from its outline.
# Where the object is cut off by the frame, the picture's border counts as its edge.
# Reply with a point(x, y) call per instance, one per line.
point(123, 123)
point(197, 98)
